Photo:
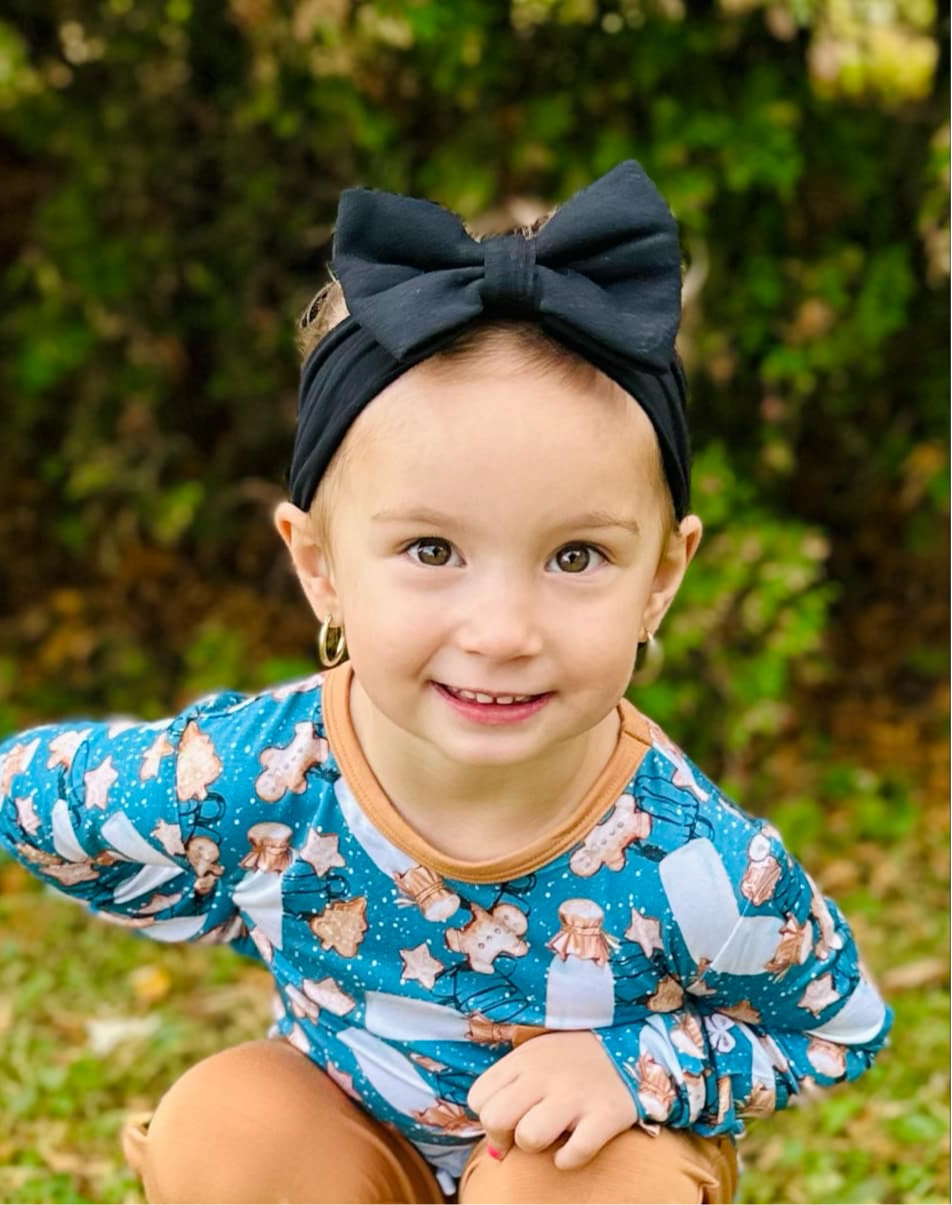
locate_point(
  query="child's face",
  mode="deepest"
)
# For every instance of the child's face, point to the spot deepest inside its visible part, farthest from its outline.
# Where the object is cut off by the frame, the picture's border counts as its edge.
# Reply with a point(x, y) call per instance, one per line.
point(503, 586)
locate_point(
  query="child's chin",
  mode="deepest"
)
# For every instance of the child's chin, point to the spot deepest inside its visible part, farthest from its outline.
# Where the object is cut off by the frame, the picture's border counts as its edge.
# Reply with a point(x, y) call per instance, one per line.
point(484, 747)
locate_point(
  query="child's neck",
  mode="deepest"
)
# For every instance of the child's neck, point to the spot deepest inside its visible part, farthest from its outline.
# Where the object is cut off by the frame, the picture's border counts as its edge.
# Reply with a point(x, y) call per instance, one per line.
point(477, 815)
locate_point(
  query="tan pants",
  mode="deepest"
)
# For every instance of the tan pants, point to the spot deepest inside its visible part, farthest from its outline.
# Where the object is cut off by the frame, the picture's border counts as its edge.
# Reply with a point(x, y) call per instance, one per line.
point(261, 1123)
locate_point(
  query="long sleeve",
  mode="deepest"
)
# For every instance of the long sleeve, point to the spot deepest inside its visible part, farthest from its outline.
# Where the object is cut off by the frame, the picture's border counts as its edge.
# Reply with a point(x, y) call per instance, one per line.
point(764, 993)
point(153, 825)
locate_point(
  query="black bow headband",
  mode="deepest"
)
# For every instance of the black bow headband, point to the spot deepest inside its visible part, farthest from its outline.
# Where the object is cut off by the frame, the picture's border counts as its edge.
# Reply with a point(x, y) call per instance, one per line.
point(602, 276)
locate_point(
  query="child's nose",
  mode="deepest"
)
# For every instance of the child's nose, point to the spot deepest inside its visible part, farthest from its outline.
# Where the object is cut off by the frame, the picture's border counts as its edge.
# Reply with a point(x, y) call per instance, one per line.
point(503, 621)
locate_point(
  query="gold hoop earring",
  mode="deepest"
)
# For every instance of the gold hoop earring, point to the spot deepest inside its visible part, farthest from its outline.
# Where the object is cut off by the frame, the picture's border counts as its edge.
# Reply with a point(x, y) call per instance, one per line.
point(650, 668)
point(340, 644)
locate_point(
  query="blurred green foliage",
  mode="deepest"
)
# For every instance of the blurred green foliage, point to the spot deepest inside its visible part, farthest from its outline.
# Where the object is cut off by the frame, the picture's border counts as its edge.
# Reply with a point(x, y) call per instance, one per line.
point(174, 171)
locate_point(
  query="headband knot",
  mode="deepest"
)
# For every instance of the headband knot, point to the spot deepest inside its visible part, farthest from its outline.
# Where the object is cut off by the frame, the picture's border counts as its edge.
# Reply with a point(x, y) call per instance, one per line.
point(509, 285)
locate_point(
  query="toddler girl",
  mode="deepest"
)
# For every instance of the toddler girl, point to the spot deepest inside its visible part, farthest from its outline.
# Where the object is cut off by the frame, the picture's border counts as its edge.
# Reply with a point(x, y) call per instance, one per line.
point(523, 948)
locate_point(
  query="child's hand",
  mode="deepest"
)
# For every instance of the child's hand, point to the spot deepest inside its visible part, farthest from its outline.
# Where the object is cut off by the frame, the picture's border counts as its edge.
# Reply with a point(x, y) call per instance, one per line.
point(553, 1083)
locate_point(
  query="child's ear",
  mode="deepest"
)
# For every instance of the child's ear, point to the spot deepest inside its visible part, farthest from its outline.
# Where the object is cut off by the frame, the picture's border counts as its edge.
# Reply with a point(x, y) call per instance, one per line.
point(312, 562)
point(673, 562)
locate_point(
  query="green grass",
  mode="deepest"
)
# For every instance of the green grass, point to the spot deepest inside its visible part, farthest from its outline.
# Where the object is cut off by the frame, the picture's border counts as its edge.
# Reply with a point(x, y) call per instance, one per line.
point(882, 1139)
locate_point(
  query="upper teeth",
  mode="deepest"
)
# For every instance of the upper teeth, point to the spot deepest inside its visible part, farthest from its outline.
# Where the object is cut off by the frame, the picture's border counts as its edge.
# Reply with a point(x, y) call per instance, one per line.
point(477, 697)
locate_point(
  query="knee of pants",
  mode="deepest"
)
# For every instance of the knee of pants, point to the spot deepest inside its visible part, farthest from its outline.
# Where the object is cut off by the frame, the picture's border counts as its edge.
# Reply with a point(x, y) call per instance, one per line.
point(260, 1123)
point(633, 1168)
point(205, 1140)
point(218, 1132)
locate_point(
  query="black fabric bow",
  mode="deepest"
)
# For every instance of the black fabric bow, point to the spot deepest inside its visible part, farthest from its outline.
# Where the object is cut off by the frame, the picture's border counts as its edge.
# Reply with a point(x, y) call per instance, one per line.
point(603, 272)
point(602, 277)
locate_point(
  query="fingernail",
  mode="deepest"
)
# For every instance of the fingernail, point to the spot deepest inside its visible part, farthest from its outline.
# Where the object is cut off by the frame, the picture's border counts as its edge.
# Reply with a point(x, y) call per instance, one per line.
point(493, 1153)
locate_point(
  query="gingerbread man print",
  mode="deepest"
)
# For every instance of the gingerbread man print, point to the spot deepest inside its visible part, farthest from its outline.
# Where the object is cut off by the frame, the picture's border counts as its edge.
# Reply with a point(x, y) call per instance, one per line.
point(605, 845)
point(286, 767)
point(488, 935)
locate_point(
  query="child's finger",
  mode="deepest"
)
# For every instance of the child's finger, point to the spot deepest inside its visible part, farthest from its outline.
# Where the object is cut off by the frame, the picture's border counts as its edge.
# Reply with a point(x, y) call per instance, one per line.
point(493, 1080)
point(543, 1124)
point(584, 1143)
point(498, 1145)
point(504, 1112)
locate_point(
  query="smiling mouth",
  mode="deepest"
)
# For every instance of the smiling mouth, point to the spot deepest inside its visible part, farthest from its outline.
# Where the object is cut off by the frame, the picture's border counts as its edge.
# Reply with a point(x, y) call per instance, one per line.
point(477, 696)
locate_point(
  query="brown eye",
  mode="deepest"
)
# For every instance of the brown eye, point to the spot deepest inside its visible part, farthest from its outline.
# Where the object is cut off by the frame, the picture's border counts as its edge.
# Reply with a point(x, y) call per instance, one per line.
point(576, 558)
point(432, 552)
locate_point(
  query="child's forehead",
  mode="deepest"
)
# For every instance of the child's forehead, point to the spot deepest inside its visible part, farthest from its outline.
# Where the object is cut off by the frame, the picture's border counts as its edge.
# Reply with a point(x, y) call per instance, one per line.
point(540, 442)
point(501, 399)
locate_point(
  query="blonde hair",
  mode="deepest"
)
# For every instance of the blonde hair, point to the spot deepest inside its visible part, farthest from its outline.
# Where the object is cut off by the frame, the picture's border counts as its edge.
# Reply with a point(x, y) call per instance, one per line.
point(328, 307)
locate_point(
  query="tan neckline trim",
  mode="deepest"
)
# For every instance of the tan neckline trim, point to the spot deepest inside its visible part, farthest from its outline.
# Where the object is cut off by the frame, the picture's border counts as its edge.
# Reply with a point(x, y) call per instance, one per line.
point(634, 741)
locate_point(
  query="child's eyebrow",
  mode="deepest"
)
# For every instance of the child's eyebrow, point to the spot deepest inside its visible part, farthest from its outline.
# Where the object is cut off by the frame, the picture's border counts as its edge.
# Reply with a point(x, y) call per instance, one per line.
point(587, 520)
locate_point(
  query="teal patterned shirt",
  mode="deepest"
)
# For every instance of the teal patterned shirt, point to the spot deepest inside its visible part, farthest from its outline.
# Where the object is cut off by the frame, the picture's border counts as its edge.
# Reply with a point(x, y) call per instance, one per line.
point(660, 915)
